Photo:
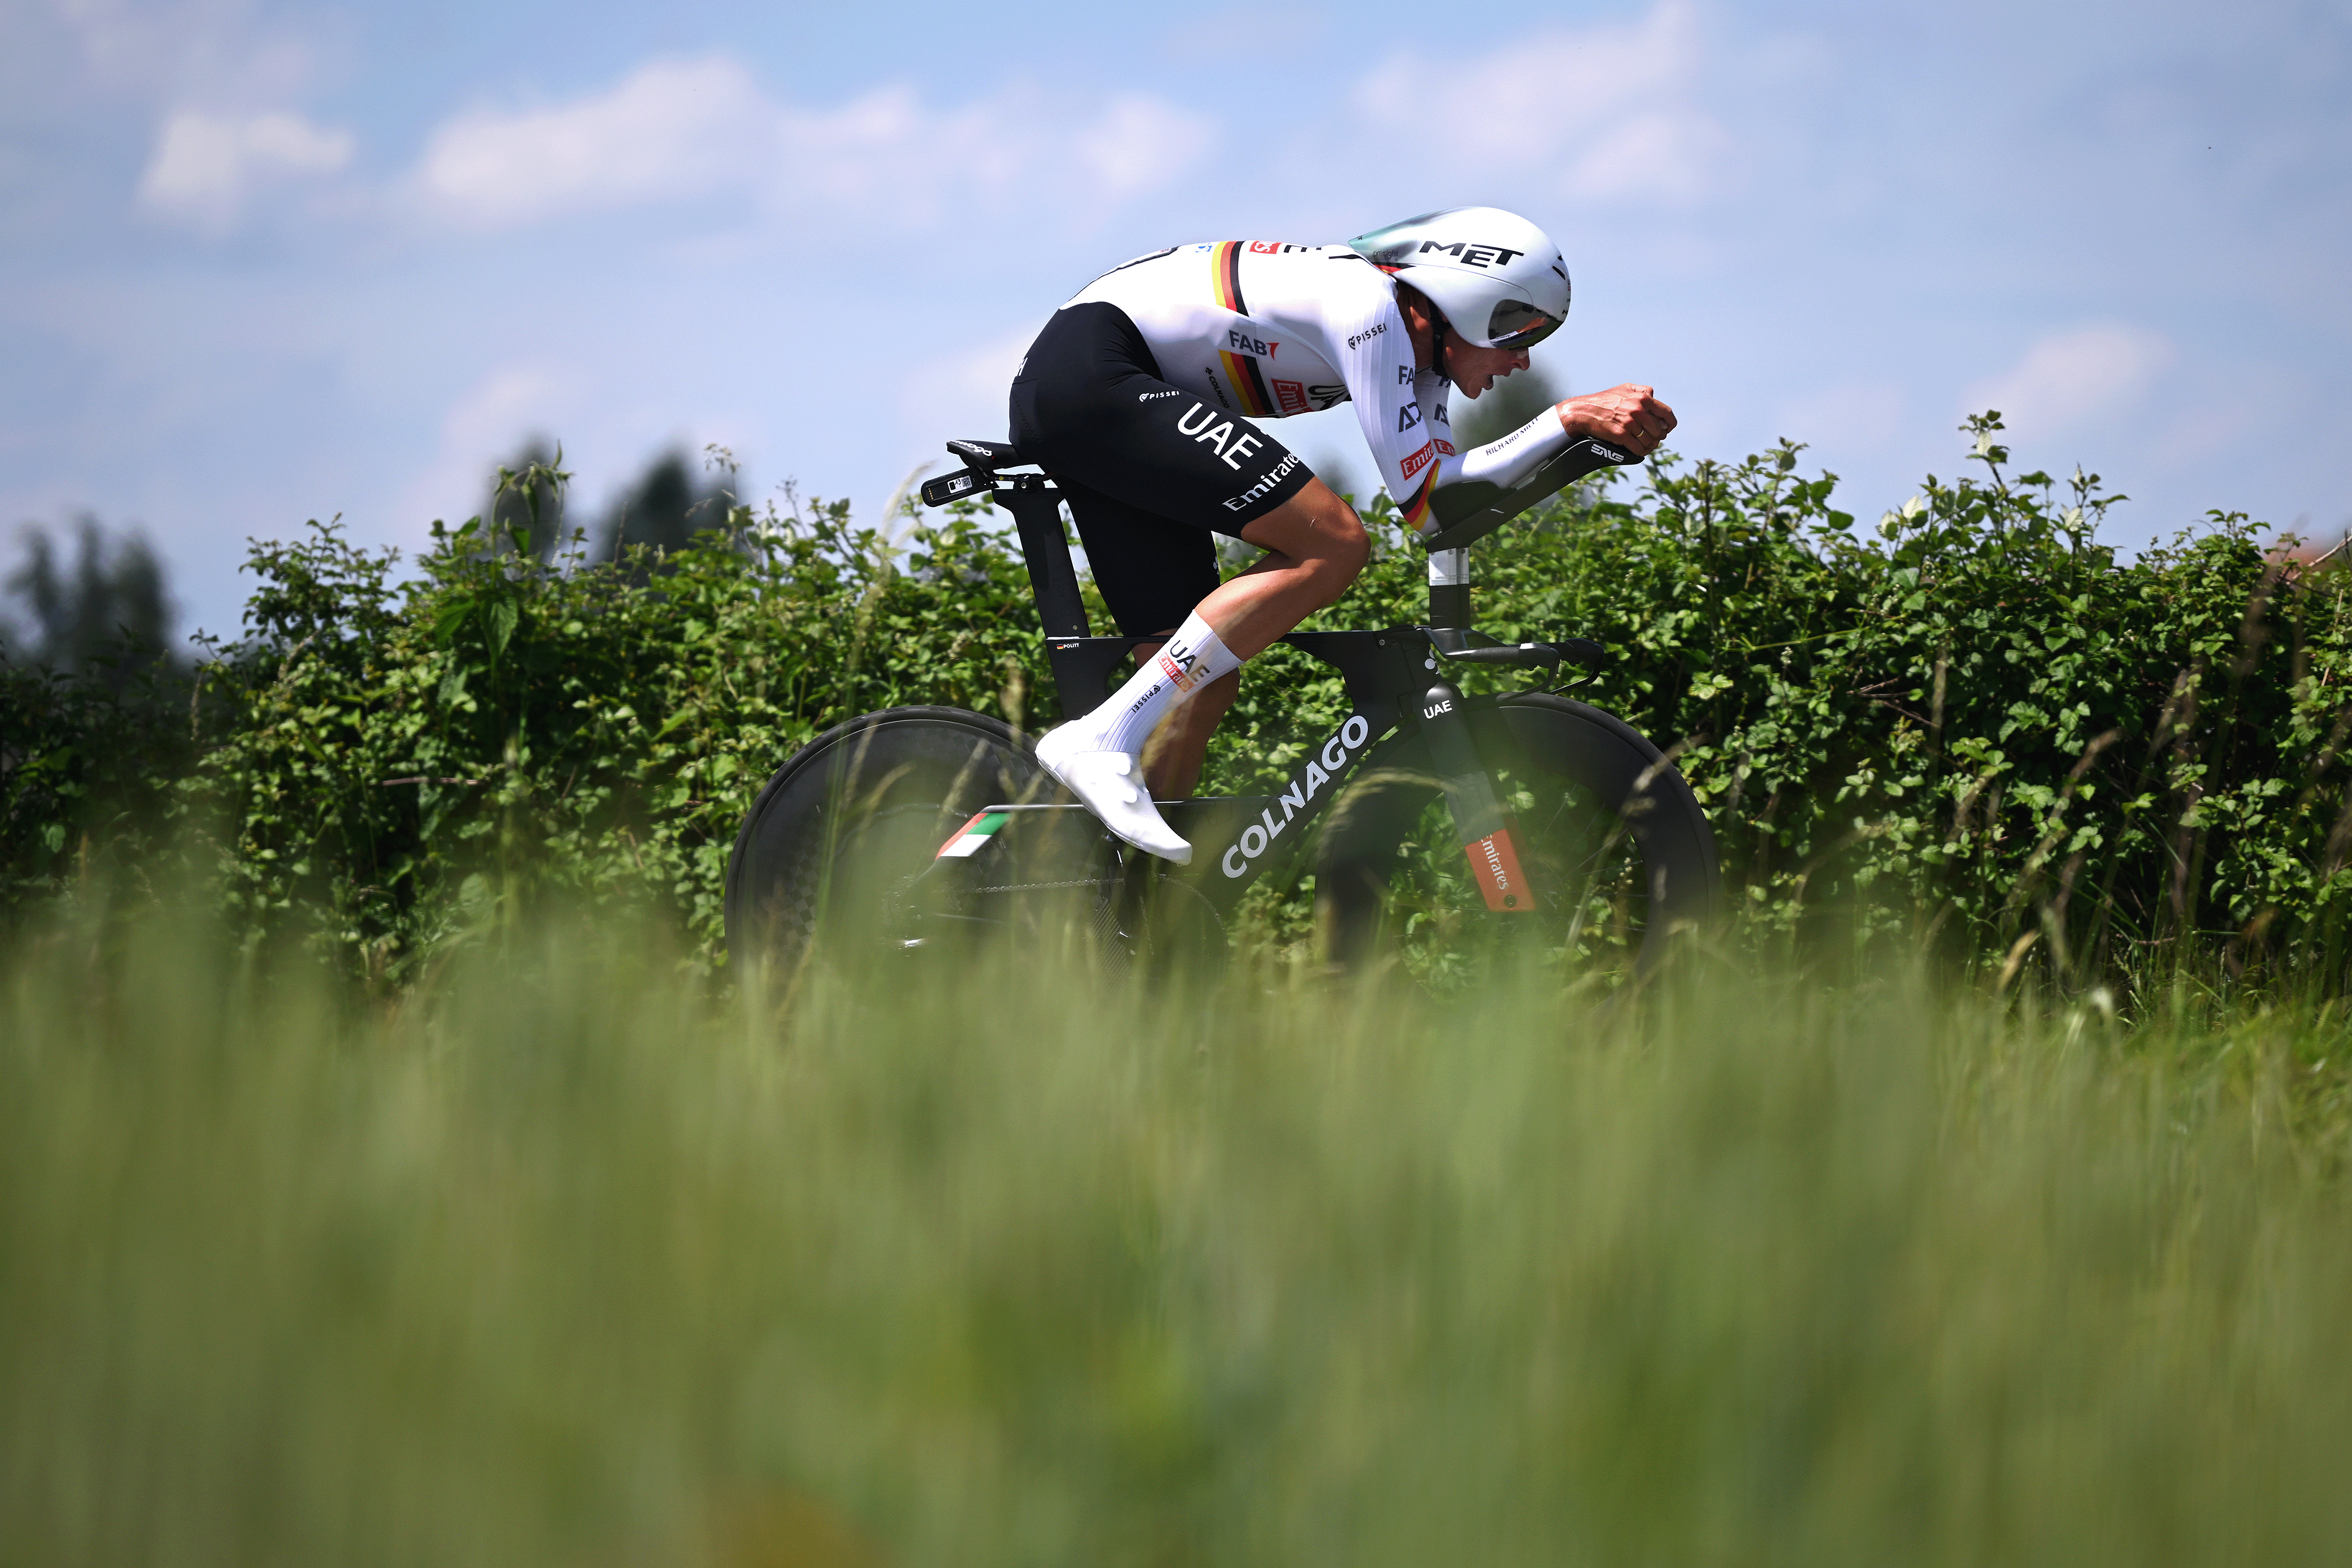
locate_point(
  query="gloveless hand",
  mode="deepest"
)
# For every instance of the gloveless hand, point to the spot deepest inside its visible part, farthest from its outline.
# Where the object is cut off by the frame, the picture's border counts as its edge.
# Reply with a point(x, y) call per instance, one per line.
point(1629, 415)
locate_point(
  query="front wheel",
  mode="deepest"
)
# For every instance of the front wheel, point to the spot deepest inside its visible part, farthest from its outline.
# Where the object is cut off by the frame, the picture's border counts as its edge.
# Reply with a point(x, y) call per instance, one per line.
point(1614, 847)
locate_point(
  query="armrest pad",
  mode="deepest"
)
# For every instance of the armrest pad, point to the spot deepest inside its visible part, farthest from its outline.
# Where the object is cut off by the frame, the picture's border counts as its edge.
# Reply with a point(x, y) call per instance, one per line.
point(1472, 511)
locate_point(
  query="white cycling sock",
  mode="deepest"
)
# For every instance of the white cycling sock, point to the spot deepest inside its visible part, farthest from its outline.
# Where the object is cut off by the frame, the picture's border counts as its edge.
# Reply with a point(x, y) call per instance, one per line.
point(1189, 660)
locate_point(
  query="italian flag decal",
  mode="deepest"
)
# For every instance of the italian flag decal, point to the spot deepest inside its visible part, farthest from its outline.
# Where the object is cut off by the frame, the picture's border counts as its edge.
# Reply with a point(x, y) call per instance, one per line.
point(973, 836)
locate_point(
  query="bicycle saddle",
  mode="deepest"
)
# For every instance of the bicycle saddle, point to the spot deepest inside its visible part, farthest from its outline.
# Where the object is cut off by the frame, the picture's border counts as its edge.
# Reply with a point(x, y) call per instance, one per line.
point(986, 454)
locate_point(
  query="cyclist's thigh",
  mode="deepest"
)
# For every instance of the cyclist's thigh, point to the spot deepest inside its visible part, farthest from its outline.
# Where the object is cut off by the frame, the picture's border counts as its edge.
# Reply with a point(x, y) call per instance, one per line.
point(1089, 404)
point(1152, 569)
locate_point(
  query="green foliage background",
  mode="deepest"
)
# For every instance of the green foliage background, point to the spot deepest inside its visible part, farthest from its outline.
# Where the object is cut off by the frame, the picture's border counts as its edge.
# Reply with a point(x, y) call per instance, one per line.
point(1966, 719)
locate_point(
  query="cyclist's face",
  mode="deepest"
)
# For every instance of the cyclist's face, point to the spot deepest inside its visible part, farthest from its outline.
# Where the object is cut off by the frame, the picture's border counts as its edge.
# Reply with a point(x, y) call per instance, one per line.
point(1474, 369)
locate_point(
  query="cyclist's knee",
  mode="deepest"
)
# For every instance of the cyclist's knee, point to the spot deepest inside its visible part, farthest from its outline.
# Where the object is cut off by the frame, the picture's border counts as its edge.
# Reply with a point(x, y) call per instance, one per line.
point(1355, 542)
point(1320, 534)
point(1344, 545)
point(1338, 533)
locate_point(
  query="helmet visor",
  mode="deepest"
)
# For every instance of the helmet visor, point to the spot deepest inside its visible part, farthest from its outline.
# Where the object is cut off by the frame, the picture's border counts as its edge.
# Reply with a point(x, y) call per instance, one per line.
point(1516, 325)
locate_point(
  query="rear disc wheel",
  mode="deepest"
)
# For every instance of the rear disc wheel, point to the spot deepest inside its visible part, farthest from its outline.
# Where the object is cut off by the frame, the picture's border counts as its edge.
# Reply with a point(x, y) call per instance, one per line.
point(830, 861)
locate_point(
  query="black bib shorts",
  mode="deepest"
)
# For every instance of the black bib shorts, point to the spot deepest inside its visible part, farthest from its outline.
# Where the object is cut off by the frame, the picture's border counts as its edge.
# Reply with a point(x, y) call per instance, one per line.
point(1149, 470)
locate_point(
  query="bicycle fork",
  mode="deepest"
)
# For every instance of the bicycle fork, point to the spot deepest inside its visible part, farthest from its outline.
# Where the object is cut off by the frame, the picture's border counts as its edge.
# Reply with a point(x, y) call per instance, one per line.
point(1479, 820)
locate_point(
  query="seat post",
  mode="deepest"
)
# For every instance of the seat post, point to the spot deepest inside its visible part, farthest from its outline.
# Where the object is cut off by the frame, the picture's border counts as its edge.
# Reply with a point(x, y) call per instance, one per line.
point(1037, 510)
point(1449, 587)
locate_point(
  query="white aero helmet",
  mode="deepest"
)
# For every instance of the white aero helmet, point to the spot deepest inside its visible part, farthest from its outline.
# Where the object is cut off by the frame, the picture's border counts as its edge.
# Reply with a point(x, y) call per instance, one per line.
point(1499, 278)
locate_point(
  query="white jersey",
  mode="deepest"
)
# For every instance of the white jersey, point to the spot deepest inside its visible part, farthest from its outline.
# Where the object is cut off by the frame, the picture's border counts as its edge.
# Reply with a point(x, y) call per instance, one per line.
point(1268, 329)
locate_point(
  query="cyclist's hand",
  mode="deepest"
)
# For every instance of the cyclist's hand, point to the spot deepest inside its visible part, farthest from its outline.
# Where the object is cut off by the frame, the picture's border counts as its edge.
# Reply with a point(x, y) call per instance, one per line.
point(1628, 416)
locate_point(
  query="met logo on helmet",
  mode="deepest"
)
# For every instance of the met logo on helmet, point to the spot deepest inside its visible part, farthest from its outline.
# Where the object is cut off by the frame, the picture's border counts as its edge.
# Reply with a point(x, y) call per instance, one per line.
point(1472, 255)
point(1506, 291)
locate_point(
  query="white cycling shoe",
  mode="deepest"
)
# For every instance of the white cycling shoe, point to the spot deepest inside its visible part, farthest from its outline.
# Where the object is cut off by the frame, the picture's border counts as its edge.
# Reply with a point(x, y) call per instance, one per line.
point(1110, 784)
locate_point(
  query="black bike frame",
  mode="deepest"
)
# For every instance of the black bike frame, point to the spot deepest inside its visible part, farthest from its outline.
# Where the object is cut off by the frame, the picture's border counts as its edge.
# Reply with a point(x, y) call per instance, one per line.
point(1395, 690)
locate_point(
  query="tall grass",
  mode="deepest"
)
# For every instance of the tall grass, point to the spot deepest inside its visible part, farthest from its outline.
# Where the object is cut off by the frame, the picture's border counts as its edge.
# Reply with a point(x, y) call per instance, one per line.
point(557, 1261)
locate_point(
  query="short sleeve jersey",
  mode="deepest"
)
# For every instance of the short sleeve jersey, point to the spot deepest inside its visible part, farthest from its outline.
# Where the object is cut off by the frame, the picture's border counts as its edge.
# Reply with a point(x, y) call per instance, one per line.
point(1268, 329)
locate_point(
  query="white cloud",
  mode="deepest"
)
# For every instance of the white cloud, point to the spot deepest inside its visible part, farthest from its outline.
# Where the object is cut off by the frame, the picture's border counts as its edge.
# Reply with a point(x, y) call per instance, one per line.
point(1140, 145)
point(1606, 113)
point(962, 394)
point(212, 51)
point(206, 166)
point(2070, 376)
point(675, 129)
point(684, 130)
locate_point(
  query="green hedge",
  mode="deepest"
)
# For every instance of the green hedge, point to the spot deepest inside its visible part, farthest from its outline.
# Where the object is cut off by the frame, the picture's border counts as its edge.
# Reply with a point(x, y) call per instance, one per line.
point(1967, 719)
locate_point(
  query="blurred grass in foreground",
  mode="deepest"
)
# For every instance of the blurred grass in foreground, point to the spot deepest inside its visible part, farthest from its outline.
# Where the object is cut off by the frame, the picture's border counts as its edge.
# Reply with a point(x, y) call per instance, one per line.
point(559, 1263)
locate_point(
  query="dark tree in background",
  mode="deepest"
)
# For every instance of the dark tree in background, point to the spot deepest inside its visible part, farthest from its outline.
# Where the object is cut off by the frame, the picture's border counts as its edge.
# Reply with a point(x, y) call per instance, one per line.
point(663, 509)
point(108, 607)
point(108, 611)
point(667, 506)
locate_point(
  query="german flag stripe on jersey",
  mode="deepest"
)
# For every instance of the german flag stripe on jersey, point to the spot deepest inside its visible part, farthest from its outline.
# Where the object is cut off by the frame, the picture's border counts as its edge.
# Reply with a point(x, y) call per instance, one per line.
point(1225, 275)
point(1241, 369)
point(1249, 384)
point(1417, 515)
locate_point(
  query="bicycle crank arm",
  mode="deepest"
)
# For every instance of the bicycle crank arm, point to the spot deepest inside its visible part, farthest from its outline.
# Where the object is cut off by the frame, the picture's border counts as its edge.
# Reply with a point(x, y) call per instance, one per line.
point(1479, 820)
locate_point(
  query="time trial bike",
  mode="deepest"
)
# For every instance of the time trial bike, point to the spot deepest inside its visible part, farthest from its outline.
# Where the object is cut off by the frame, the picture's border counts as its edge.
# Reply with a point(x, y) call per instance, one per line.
point(1440, 827)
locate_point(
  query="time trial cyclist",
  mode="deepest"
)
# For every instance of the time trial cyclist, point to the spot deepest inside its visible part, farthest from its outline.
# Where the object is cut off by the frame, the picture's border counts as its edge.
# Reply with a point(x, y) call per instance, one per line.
point(1140, 398)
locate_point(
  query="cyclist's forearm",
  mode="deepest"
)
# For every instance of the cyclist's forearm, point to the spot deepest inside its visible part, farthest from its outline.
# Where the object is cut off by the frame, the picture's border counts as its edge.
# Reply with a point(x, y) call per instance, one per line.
point(1508, 462)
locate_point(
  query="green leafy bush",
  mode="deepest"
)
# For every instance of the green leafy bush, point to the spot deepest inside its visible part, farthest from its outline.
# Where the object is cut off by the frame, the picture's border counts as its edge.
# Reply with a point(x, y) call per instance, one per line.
point(1968, 720)
point(404, 763)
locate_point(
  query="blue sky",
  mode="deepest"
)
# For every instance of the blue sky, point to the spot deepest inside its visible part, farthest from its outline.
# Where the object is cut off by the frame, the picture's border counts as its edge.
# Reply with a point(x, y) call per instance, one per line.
point(264, 262)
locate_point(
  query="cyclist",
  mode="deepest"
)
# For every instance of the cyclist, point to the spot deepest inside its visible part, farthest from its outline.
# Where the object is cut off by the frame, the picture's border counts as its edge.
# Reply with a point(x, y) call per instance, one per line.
point(1139, 397)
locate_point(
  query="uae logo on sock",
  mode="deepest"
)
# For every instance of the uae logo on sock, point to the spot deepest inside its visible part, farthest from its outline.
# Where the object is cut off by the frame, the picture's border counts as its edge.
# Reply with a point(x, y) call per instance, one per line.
point(1181, 665)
